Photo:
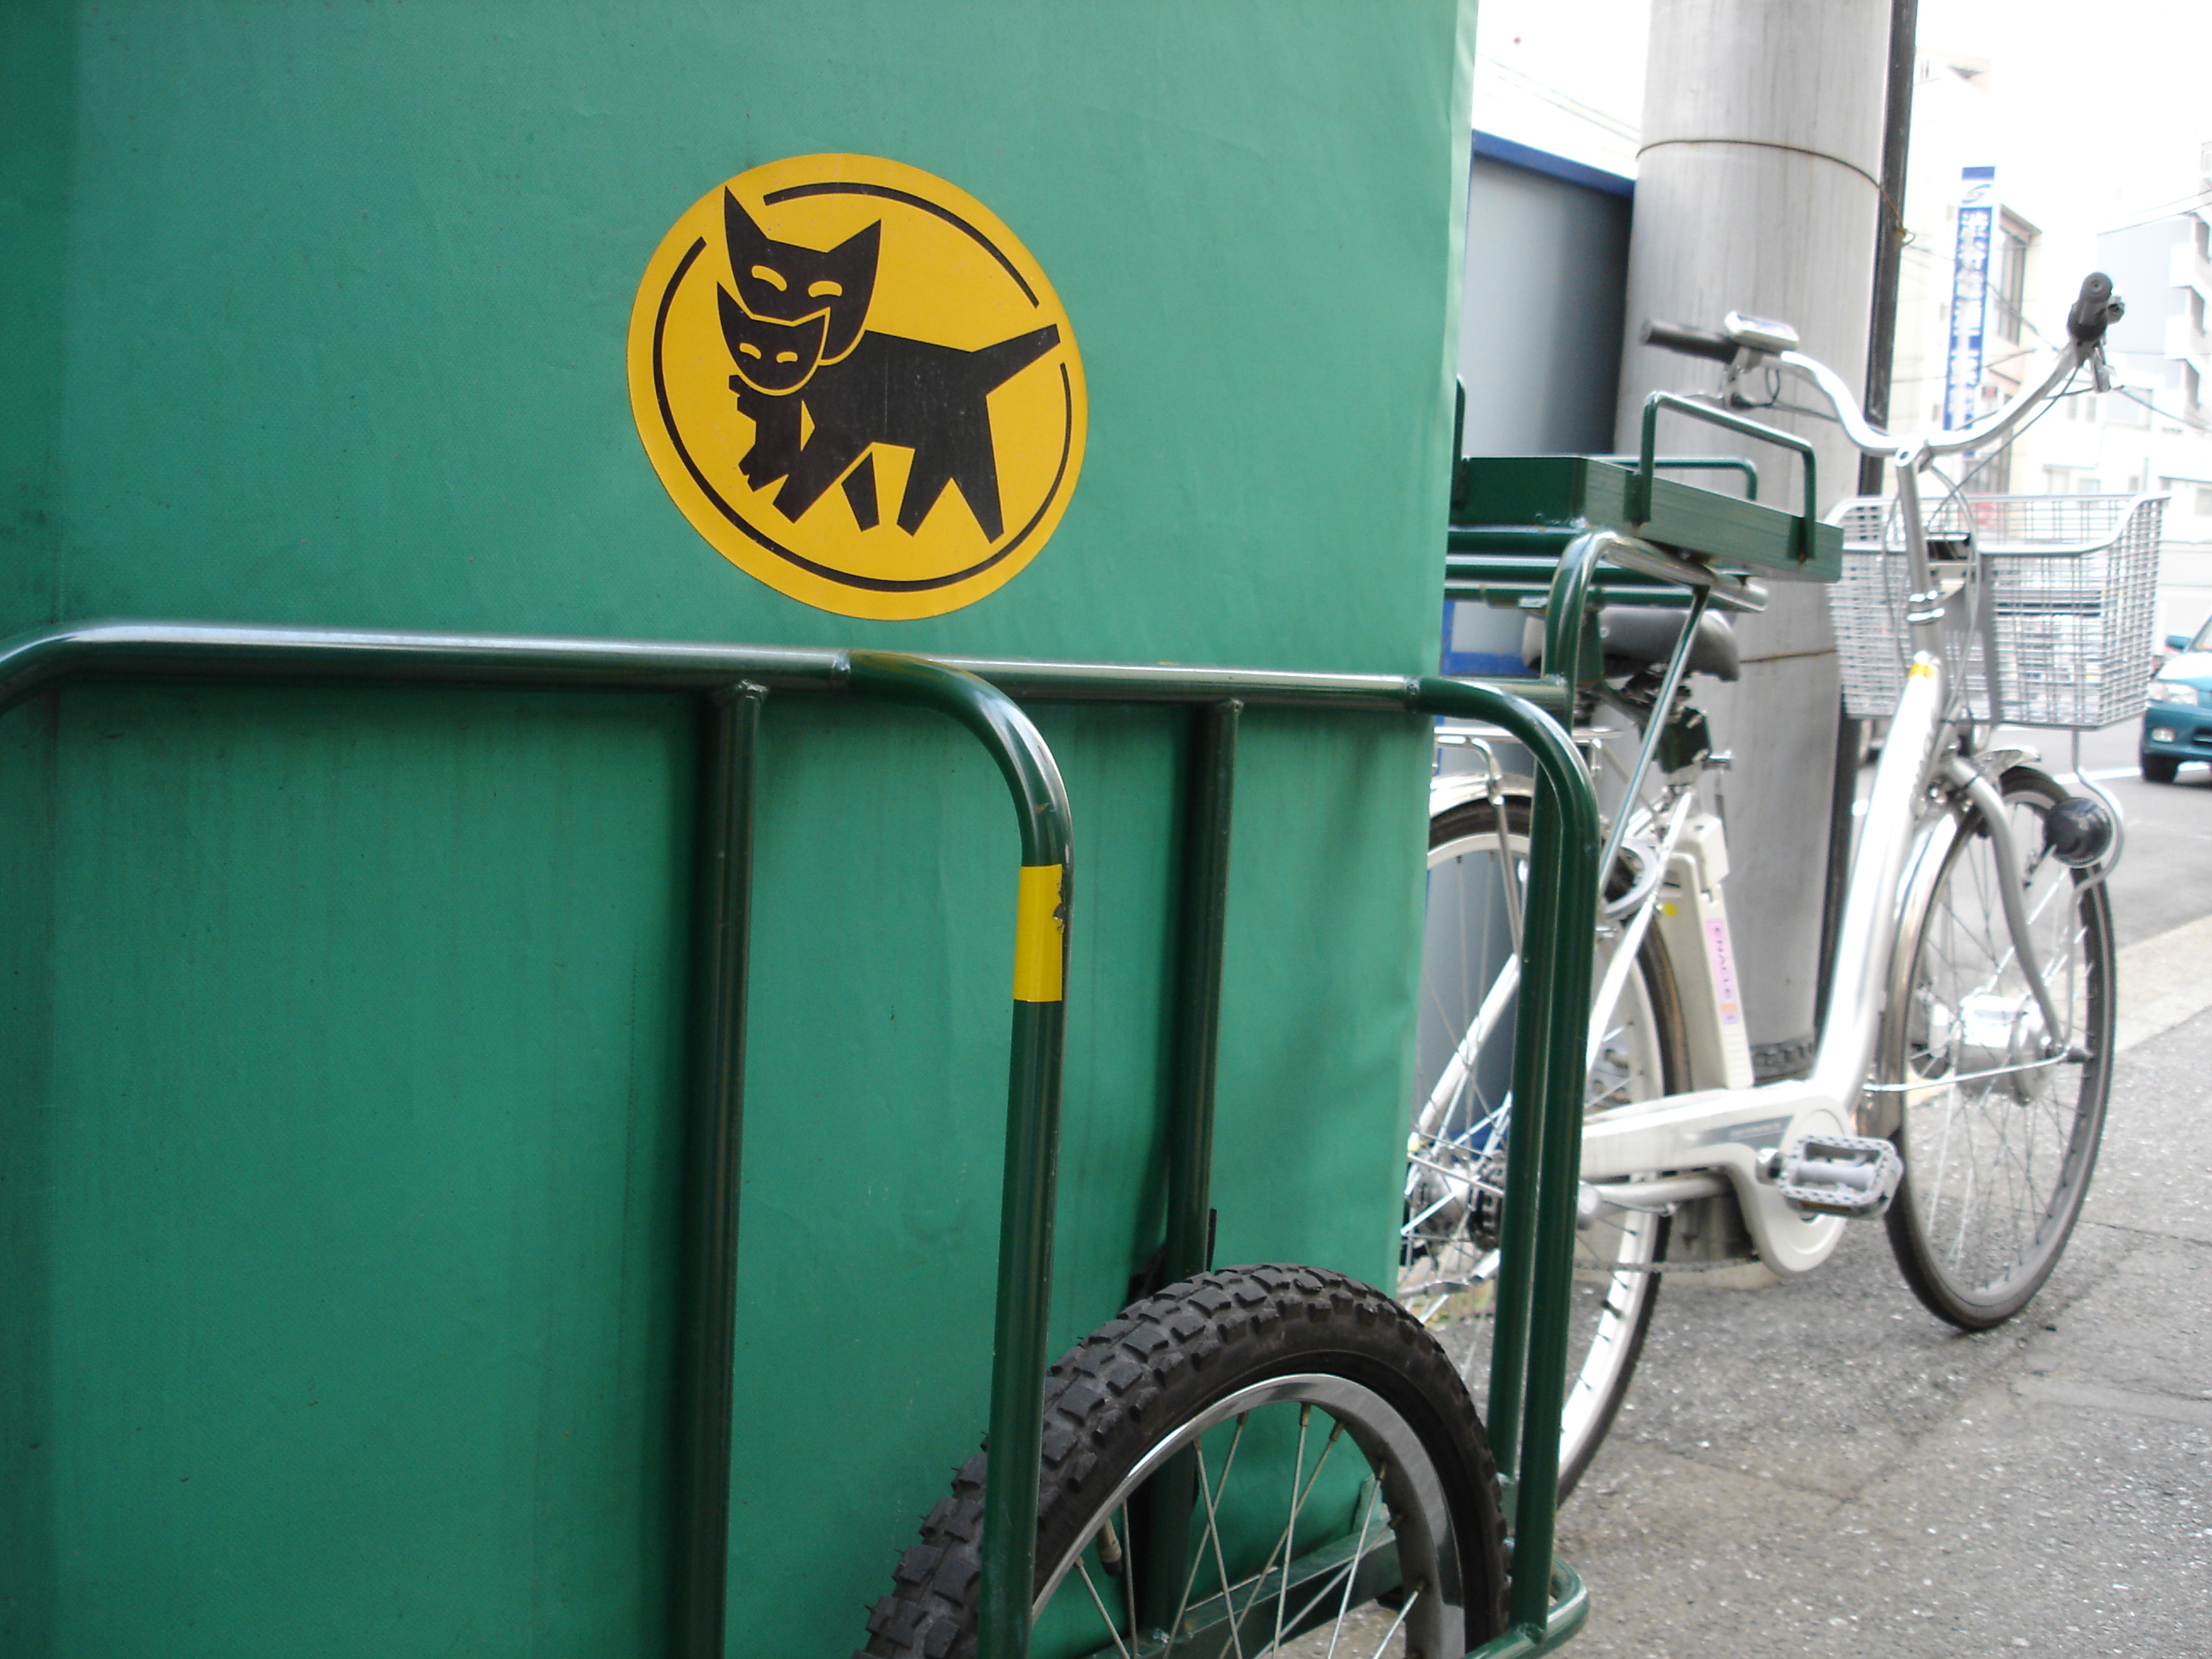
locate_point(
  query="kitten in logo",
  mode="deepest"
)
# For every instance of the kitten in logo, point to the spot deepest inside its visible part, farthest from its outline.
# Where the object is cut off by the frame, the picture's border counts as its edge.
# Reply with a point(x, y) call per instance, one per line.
point(857, 385)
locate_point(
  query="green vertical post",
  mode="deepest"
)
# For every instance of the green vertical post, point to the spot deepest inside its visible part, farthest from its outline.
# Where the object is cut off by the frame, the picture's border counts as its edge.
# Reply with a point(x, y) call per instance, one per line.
point(1550, 1036)
point(1209, 792)
point(1564, 612)
point(1028, 1192)
point(1517, 1290)
point(1555, 1022)
point(722, 887)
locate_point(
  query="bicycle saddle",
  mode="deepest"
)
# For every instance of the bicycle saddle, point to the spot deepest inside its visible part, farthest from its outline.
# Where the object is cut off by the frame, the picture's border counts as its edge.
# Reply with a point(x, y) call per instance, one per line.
point(1643, 636)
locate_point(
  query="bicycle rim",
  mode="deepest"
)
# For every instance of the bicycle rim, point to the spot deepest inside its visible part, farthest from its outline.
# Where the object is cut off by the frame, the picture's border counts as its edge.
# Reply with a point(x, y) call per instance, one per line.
point(1996, 1166)
point(1459, 1141)
point(1262, 1460)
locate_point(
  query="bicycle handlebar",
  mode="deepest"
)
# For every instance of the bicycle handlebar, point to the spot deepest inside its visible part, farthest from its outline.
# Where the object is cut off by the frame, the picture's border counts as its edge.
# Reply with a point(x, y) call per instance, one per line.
point(2092, 311)
point(1690, 342)
point(2096, 308)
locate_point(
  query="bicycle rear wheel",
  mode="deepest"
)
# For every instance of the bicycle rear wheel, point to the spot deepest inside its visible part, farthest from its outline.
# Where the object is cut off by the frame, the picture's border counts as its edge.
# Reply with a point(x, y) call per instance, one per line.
point(1459, 1145)
point(1998, 1148)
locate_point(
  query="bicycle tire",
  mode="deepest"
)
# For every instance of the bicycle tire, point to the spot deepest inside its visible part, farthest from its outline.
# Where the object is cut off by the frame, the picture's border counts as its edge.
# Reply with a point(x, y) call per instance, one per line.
point(1207, 1357)
point(1449, 1234)
point(1996, 1167)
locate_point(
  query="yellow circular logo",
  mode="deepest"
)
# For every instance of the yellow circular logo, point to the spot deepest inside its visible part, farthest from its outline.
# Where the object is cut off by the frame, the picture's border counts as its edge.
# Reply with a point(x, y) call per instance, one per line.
point(857, 385)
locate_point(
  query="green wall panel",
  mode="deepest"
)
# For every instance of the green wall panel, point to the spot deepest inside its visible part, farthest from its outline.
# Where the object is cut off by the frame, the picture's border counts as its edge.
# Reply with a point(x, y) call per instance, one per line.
point(344, 290)
point(338, 1094)
point(352, 1181)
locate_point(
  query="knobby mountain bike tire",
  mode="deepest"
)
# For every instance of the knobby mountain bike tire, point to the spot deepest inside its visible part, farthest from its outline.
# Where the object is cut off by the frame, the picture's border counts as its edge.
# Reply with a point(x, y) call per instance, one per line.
point(1339, 1494)
point(1996, 1166)
point(1460, 1145)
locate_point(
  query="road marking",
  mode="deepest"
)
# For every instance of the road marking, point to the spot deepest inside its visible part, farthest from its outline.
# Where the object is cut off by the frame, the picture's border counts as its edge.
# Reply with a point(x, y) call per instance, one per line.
point(2099, 776)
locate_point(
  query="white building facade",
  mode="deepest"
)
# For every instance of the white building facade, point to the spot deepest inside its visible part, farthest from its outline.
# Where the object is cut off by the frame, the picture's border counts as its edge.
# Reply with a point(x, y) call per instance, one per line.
point(2152, 433)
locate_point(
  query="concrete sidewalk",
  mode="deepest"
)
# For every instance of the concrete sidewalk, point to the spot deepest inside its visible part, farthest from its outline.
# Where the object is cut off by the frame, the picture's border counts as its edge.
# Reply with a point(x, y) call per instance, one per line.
point(1823, 1468)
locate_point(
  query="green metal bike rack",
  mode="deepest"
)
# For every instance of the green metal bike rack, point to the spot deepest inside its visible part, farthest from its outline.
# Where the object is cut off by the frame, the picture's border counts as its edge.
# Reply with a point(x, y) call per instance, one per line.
point(731, 683)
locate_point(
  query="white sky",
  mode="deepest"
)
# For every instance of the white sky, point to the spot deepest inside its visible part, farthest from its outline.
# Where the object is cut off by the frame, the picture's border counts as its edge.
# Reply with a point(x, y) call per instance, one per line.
point(2103, 103)
point(1536, 60)
point(2102, 106)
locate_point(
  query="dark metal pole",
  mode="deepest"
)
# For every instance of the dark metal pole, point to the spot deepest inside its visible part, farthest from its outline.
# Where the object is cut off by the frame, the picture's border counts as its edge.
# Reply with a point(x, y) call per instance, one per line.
point(1842, 796)
point(1889, 239)
point(699, 1569)
point(1882, 349)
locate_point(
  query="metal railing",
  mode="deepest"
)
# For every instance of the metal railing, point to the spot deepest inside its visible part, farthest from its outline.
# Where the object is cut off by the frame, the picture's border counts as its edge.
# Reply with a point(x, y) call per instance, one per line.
point(730, 684)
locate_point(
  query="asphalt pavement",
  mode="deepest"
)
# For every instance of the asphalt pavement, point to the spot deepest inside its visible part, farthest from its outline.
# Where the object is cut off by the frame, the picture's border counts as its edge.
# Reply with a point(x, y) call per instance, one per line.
point(1821, 1468)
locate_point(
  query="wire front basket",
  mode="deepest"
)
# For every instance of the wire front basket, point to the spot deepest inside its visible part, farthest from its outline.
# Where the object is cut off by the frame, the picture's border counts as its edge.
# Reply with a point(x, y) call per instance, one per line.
point(2064, 604)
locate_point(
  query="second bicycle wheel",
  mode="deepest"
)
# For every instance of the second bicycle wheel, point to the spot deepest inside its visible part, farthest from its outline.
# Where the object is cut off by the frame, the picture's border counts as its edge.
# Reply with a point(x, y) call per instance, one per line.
point(2000, 1118)
point(1333, 1493)
point(1460, 1143)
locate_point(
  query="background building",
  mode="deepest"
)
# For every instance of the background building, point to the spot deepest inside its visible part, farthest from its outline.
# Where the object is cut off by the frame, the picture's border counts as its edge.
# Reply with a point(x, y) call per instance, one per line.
point(2152, 431)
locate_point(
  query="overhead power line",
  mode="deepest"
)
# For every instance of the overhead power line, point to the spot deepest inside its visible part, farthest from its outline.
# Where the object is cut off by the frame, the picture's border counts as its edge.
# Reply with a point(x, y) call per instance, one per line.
point(2136, 397)
point(1550, 95)
point(2174, 210)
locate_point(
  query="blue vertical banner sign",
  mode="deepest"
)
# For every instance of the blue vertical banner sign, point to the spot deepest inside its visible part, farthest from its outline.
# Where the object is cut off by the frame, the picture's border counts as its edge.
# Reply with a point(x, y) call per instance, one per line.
point(1970, 296)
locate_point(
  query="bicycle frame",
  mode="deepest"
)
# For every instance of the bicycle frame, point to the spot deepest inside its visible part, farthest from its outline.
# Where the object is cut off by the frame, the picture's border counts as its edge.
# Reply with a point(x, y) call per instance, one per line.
point(1725, 1140)
point(1727, 1135)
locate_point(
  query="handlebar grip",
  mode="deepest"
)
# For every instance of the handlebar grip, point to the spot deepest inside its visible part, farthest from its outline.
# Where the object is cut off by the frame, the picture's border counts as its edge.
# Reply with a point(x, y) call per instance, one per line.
point(1690, 342)
point(2096, 308)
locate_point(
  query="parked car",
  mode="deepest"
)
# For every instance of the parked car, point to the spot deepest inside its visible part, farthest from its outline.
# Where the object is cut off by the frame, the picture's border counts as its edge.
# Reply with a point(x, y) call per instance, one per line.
point(2177, 725)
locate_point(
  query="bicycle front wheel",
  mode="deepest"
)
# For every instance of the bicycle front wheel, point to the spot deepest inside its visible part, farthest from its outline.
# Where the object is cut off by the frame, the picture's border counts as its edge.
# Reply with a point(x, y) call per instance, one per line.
point(1460, 1145)
point(1336, 1495)
point(1998, 1137)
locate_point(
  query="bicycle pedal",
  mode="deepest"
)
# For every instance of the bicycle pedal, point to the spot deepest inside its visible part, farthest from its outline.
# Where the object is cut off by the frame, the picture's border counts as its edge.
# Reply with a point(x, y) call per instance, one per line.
point(1840, 1175)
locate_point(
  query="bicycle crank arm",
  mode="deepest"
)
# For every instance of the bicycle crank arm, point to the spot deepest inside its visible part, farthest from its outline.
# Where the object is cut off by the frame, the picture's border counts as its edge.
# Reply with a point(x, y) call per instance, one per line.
point(1738, 1134)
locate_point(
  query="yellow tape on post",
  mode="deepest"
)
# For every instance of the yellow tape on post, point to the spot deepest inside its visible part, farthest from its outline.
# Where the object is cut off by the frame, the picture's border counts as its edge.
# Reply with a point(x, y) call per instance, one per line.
point(1040, 935)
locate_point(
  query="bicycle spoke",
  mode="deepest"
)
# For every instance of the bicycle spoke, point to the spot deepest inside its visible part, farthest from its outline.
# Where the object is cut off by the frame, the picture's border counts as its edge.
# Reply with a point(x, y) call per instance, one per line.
point(1104, 1617)
point(1396, 1625)
point(1127, 1576)
point(1212, 1527)
point(1351, 1567)
point(1456, 1176)
point(1282, 1546)
point(1290, 1527)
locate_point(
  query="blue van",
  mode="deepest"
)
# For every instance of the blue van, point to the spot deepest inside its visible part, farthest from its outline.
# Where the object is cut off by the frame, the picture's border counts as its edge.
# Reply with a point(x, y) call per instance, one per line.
point(2177, 725)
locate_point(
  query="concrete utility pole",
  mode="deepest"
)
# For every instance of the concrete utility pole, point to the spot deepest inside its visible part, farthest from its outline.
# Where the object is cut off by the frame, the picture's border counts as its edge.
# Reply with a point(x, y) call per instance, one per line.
point(1755, 192)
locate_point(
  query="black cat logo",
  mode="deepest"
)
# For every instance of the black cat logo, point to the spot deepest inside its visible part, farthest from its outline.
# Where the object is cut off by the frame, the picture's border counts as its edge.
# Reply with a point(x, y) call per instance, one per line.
point(889, 352)
point(794, 335)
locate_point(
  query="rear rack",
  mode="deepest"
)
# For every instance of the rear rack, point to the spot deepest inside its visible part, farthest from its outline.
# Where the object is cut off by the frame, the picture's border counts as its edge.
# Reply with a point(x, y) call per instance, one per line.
point(1511, 518)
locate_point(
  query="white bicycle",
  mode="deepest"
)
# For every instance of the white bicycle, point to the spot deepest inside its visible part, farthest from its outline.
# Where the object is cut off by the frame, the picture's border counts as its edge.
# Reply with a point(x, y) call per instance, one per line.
point(1963, 1061)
